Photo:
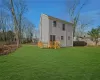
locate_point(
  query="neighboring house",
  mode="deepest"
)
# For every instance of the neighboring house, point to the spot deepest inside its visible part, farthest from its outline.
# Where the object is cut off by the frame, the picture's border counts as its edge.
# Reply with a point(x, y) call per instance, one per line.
point(54, 29)
point(88, 40)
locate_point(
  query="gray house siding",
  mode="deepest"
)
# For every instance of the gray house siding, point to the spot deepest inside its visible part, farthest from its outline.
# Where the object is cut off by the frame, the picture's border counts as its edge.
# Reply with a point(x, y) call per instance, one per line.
point(47, 29)
point(58, 32)
point(69, 32)
point(44, 29)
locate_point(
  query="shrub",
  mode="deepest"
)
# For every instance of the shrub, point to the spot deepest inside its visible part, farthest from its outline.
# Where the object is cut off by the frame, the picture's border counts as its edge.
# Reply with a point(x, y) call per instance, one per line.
point(6, 49)
point(79, 43)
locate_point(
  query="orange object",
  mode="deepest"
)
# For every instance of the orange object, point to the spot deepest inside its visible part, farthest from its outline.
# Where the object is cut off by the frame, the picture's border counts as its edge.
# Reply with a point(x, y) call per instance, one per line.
point(40, 44)
point(56, 44)
point(51, 44)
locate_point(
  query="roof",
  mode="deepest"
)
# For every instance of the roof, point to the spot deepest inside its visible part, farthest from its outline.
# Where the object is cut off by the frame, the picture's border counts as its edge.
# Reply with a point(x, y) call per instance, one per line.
point(57, 19)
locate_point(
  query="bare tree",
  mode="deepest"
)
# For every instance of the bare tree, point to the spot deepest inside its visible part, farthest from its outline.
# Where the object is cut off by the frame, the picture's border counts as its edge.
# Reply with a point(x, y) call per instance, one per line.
point(74, 8)
point(28, 29)
point(4, 21)
point(12, 9)
point(83, 23)
point(17, 9)
point(21, 8)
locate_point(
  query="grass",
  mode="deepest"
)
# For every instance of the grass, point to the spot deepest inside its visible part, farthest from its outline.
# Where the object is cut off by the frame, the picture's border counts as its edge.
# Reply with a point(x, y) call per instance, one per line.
point(33, 63)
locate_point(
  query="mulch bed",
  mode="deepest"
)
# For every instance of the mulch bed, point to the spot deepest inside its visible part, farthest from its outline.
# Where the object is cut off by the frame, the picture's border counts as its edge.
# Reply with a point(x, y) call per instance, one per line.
point(6, 49)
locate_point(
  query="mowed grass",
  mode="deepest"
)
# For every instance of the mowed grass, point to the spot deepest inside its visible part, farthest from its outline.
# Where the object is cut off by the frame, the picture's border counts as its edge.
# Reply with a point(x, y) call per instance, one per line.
point(33, 63)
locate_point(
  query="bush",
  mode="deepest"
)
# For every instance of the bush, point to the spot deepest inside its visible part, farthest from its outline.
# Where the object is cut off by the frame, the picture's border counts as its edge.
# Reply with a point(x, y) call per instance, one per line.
point(6, 49)
point(79, 43)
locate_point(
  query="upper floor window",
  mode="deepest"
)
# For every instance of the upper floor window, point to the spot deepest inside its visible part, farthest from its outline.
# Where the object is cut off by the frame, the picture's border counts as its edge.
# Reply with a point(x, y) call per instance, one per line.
point(63, 27)
point(54, 23)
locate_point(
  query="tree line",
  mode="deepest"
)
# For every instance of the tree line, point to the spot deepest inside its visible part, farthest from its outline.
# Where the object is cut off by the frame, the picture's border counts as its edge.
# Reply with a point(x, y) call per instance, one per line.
point(14, 26)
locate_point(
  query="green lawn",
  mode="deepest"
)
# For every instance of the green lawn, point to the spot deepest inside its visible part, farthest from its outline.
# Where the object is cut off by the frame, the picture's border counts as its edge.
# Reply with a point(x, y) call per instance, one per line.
point(33, 63)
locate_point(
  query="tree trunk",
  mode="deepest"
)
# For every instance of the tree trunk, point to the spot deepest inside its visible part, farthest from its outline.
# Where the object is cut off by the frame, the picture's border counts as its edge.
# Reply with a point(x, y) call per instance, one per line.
point(15, 23)
point(20, 36)
point(74, 32)
point(96, 42)
point(17, 39)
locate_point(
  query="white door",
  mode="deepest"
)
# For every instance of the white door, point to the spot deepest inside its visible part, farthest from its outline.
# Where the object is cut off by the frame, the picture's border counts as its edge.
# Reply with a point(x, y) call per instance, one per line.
point(62, 42)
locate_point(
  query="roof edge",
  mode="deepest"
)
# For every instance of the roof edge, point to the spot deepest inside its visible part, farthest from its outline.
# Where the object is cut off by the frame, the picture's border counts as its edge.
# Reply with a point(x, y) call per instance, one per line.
point(57, 19)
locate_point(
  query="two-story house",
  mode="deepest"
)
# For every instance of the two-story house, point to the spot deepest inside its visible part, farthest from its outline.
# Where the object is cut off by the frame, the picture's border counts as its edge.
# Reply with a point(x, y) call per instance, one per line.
point(52, 29)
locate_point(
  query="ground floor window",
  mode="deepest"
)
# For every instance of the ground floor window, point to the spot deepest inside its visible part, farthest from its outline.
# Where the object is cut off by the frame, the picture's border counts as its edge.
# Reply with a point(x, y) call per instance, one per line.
point(68, 37)
point(62, 37)
point(52, 37)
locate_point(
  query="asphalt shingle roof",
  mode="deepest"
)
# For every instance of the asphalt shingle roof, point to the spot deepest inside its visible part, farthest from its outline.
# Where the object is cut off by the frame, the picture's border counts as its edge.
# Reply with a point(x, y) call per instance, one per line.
point(57, 19)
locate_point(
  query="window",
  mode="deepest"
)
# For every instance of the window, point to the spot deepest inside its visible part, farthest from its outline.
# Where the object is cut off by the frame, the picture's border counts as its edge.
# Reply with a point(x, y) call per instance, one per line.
point(62, 38)
point(54, 23)
point(68, 37)
point(52, 37)
point(63, 27)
